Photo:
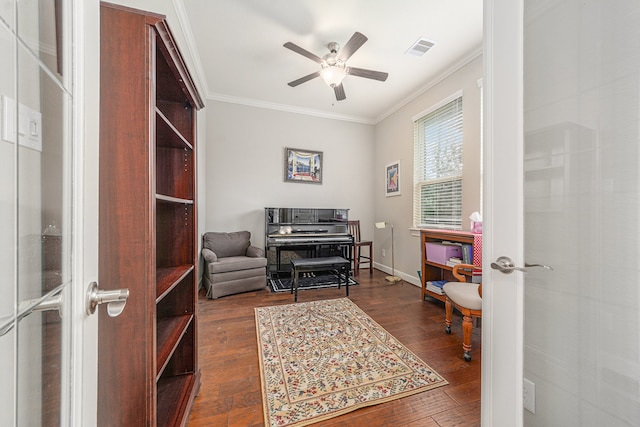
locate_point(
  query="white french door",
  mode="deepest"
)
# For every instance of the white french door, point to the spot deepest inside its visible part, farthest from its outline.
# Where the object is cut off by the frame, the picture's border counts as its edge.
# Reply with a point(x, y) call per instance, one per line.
point(502, 294)
point(48, 211)
point(562, 122)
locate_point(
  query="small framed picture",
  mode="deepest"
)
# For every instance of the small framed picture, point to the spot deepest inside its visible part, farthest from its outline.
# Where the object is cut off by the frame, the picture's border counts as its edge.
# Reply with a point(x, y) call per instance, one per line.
point(392, 179)
point(302, 166)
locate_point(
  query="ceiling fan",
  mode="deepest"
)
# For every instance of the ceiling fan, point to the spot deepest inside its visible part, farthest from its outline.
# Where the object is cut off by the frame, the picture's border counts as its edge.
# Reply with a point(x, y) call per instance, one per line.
point(334, 65)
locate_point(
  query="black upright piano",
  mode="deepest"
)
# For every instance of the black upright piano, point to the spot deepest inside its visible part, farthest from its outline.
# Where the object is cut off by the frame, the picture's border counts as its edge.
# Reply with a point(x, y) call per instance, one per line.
point(304, 232)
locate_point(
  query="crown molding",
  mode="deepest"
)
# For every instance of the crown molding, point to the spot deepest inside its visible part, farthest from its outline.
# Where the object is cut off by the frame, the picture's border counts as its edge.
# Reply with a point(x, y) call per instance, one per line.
point(287, 108)
point(183, 23)
point(292, 109)
point(475, 53)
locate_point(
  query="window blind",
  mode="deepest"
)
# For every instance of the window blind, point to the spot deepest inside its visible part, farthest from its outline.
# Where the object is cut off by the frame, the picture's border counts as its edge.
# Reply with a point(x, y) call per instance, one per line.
point(437, 197)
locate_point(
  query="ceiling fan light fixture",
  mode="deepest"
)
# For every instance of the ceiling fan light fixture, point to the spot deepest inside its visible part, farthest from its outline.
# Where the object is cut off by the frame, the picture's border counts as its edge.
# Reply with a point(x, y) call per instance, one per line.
point(334, 65)
point(333, 75)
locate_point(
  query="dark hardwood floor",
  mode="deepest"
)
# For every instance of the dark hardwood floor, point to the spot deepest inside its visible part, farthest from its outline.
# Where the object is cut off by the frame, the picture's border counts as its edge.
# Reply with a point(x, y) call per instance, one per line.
point(228, 357)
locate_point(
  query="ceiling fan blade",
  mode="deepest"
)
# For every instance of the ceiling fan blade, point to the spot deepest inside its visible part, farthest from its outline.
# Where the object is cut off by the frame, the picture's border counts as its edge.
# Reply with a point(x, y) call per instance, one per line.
point(369, 74)
point(339, 91)
point(304, 79)
point(354, 43)
point(303, 52)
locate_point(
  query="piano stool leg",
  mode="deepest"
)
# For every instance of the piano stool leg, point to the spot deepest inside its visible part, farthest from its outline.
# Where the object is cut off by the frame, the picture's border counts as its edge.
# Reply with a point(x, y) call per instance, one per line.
point(278, 259)
point(294, 285)
point(346, 278)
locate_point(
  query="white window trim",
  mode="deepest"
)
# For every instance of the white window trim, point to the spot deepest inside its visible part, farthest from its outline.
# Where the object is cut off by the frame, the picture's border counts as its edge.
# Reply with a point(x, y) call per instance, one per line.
point(434, 107)
point(419, 116)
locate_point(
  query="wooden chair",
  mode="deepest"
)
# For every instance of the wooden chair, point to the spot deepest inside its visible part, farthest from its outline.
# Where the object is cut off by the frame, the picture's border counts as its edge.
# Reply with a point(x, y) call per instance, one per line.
point(358, 257)
point(466, 298)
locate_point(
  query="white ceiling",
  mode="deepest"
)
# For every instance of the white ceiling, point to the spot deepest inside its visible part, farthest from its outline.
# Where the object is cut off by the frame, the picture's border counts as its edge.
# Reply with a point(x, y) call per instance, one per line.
point(239, 53)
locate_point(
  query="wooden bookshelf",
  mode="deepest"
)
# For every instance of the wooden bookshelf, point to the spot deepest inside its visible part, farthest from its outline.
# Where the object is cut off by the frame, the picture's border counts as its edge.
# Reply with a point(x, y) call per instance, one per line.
point(437, 271)
point(148, 222)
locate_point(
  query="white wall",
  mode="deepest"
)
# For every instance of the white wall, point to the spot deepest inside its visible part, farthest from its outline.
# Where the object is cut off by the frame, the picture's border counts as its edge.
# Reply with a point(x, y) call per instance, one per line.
point(394, 141)
point(245, 160)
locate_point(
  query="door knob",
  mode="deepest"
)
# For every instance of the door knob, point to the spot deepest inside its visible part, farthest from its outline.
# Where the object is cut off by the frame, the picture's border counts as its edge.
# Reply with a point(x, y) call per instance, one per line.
point(115, 299)
point(505, 265)
point(52, 300)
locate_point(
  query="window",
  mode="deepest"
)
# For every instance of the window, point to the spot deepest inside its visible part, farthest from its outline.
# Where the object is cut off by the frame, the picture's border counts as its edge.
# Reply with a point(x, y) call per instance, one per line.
point(437, 194)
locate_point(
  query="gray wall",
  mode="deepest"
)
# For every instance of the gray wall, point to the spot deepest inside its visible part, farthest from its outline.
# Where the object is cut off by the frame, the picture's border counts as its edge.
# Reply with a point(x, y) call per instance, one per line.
point(394, 141)
point(245, 166)
point(245, 159)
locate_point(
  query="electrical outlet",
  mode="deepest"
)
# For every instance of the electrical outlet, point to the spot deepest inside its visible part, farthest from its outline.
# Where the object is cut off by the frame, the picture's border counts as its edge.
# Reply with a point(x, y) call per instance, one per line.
point(384, 253)
point(529, 395)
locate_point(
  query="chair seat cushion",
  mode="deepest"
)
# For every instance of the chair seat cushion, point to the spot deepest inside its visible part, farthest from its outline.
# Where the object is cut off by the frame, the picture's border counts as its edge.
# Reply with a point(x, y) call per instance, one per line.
point(464, 294)
point(235, 275)
point(235, 263)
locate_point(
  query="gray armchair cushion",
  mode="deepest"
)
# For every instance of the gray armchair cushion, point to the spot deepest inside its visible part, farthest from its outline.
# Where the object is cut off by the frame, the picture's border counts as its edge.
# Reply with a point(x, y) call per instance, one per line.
point(236, 263)
point(227, 244)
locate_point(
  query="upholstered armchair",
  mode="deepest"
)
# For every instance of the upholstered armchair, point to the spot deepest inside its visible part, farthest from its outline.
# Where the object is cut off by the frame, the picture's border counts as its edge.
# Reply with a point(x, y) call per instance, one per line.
point(232, 265)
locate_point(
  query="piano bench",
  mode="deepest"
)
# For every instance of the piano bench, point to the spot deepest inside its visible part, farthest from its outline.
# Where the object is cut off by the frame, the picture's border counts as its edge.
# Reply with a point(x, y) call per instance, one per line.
point(307, 265)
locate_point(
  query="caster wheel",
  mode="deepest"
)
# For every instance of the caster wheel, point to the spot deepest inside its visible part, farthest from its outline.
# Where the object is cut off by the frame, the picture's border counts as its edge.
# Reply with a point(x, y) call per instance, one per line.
point(447, 329)
point(467, 356)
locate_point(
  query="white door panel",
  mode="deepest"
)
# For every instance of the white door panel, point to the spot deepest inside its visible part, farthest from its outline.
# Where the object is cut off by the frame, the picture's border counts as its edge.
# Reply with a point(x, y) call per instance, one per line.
point(581, 127)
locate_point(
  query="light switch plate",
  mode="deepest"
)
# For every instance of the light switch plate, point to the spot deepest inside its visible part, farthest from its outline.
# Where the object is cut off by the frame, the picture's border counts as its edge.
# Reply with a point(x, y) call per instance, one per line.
point(29, 132)
point(30, 128)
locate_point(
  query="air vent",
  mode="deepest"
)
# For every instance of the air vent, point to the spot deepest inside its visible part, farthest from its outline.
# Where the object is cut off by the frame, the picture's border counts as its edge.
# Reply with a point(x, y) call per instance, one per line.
point(420, 47)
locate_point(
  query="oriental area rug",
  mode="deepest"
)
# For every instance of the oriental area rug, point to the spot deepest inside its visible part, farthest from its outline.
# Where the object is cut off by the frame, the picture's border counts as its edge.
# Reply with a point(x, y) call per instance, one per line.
point(322, 359)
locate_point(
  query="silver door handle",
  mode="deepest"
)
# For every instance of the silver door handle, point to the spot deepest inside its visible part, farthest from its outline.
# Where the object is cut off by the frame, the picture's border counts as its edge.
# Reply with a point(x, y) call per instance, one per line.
point(115, 299)
point(52, 300)
point(505, 265)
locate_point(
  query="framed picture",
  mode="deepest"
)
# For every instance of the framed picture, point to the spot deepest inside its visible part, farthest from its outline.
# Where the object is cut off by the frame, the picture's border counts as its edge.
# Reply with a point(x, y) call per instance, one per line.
point(392, 179)
point(302, 166)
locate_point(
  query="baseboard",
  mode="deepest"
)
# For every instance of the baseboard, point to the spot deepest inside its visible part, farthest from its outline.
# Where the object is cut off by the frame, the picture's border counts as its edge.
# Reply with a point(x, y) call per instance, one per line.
point(414, 280)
